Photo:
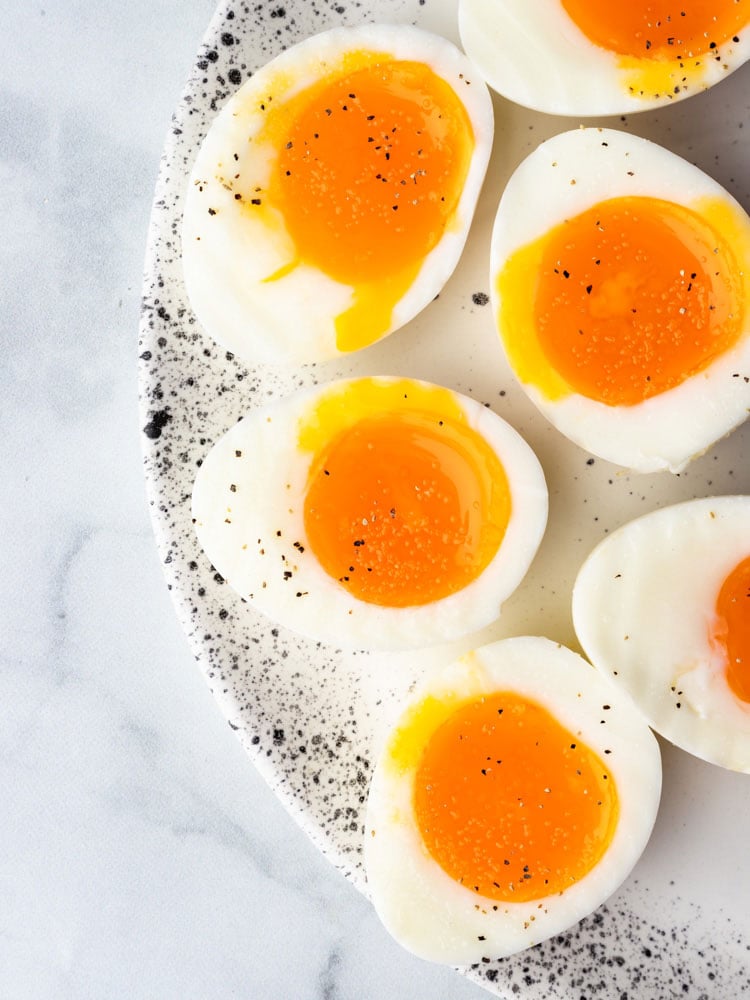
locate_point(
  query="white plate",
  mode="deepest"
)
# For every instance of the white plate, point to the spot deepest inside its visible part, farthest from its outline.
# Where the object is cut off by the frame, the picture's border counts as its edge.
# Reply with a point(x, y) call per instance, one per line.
point(311, 717)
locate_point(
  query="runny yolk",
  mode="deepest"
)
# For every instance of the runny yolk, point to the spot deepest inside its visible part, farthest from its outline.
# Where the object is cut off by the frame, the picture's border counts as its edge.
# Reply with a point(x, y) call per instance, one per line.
point(368, 179)
point(659, 30)
point(405, 508)
point(733, 628)
point(510, 803)
point(629, 299)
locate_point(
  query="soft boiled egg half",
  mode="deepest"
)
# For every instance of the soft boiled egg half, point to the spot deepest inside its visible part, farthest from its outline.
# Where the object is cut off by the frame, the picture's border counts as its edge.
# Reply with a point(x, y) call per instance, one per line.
point(601, 57)
point(514, 795)
point(620, 276)
point(662, 608)
point(373, 512)
point(333, 194)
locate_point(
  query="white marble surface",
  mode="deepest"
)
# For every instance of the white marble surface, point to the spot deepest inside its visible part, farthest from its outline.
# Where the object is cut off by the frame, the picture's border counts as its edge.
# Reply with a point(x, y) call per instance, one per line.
point(140, 854)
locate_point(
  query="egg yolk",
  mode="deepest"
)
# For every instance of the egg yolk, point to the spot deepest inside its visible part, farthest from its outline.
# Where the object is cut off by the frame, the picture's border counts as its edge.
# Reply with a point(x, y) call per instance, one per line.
point(733, 628)
point(510, 803)
point(624, 301)
point(368, 177)
point(405, 508)
point(659, 30)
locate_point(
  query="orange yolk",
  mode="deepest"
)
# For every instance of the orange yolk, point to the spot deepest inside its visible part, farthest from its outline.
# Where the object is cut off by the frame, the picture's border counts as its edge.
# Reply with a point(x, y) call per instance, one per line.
point(733, 628)
point(368, 179)
point(663, 50)
point(510, 803)
point(659, 30)
point(630, 298)
point(406, 508)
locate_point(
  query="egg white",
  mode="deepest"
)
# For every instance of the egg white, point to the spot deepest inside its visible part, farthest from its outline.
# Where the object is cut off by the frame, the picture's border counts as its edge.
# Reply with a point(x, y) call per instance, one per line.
point(248, 503)
point(565, 176)
point(643, 605)
point(434, 916)
point(534, 54)
point(228, 254)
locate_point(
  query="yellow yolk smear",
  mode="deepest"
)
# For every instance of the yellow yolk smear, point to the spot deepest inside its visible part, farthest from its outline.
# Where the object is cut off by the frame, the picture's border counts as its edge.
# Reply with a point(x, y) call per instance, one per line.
point(405, 505)
point(626, 300)
point(662, 45)
point(732, 630)
point(368, 177)
point(510, 803)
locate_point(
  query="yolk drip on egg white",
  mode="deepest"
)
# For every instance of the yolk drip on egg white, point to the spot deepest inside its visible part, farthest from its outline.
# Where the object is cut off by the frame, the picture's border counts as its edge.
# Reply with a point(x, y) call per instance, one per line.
point(370, 163)
point(732, 628)
point(510, 803)
point(662, 46)
point(625, 300)
point(332, 196)
point(405, 502)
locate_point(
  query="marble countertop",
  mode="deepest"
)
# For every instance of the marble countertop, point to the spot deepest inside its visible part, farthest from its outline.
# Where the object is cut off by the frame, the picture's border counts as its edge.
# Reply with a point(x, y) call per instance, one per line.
point(142, 856)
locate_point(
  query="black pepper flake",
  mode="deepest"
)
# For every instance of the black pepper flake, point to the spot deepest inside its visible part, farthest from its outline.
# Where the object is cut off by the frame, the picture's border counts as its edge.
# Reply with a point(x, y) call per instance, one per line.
point(212, 211)
point(255, 201)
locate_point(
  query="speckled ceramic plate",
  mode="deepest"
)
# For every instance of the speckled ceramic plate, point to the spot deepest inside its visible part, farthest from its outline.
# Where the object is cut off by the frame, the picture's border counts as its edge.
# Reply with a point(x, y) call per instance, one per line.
point(310, 716)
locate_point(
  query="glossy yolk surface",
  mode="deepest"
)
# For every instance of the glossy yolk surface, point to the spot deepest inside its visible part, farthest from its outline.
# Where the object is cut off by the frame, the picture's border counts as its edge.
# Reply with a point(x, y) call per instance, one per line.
point(630, 298)
point(368, 177)
point(733, 628)
point(510, 803)
point(659, 30)
point(406, 506)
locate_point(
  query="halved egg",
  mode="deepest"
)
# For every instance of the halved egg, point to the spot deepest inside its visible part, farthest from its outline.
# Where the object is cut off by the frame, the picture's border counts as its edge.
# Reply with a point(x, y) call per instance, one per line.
point(375, 512)
point(662, 608)
point(514, 794)
point(596, 57)
point(620, 276)
point(333, 194)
